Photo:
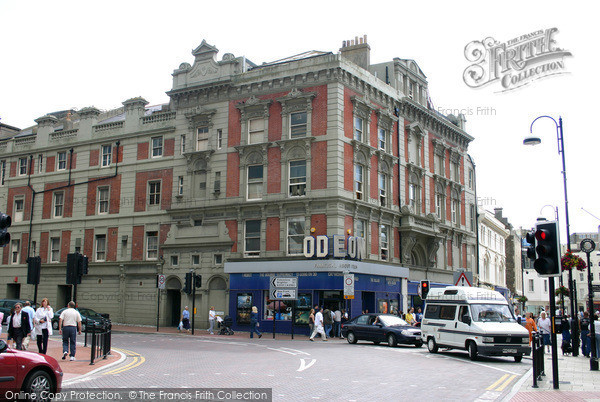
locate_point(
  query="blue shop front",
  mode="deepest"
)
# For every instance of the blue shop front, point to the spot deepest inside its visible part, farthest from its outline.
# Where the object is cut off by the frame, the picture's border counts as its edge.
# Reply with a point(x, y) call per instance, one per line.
point(378, 288)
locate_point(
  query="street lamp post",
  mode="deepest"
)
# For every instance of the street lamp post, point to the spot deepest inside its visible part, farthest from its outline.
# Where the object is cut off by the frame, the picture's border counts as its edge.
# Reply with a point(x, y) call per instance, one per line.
point(561, 150)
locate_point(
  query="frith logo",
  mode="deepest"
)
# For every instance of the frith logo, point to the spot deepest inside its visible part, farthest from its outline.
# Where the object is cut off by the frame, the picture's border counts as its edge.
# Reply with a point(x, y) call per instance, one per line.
point(516, 62)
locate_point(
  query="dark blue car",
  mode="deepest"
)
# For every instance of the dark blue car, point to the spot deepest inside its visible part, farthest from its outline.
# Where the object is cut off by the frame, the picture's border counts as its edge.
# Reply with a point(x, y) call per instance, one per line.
point(378, 328)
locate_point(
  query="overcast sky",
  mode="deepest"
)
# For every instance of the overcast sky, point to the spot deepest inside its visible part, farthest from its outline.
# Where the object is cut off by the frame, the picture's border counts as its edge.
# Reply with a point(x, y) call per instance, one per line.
point(57, 55)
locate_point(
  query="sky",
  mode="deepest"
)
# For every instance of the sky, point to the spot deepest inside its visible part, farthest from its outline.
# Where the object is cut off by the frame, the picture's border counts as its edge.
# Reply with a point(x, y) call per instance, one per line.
point(73, 54)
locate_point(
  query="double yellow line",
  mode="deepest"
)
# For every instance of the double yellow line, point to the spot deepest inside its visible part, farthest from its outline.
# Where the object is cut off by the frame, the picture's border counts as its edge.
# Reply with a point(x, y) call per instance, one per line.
point(501, 383)
point(137, 360)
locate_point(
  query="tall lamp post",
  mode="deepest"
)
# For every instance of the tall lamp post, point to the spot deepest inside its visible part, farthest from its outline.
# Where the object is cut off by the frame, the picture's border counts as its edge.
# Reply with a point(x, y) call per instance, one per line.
point(561, 150)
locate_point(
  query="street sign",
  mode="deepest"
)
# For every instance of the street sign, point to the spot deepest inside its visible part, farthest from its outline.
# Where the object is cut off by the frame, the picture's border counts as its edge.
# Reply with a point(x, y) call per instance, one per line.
point(462, 280)
point(162, 281)
point(596, 288)
point(349, 286)
point(283, 288)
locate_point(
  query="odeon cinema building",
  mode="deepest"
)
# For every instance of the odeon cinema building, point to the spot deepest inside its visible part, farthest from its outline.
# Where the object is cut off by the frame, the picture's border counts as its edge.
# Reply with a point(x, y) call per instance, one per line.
point(313, 167)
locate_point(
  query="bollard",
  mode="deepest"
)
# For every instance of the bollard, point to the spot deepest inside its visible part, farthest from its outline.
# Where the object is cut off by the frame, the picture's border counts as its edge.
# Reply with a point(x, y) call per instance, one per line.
point(537, 348)
point(93, 343)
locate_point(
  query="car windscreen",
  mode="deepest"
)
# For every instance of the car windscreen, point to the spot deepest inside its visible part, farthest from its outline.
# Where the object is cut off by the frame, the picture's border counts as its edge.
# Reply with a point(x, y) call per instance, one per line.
point(389, 320)
point(492, 313)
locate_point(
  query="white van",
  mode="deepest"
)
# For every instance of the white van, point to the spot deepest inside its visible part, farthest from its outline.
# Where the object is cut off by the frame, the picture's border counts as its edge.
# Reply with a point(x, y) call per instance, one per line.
point(474, 319)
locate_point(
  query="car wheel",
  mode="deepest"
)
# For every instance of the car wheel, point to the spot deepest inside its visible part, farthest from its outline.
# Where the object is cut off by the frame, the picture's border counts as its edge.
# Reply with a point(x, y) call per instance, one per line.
point(55, 325)
point(472, 351)
point(518, 358)
point(352, 338)
point(392, 340)
point(419, 344)
point(431, 345)
point(40, 384)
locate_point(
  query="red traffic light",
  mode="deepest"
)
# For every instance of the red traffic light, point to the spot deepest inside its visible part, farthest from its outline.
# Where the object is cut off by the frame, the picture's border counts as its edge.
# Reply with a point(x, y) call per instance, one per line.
point(424, 284)
point(542, 234)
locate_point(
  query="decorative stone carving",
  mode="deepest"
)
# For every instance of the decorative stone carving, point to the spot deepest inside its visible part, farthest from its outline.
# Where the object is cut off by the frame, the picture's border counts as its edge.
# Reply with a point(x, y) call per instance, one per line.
point(408, 243)
point(432, 248)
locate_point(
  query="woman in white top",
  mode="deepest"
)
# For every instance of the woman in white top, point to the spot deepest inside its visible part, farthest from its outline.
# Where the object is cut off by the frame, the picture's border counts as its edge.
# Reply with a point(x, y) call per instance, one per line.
point(42, 321)
point(544, 326)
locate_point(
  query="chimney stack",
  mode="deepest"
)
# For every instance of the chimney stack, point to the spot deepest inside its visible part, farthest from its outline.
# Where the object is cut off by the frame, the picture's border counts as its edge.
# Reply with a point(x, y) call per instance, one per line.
point(357, 51)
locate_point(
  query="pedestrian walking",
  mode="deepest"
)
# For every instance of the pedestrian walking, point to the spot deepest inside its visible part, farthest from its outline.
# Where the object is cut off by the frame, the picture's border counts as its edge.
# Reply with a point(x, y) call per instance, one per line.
point(311, 320)
point(69, 325)
point(544, 325)
point(530, 325)
point(318, 327)
point(586, 340)
point(409, 317)
point(185, 319)
point(419, 315)
point(30, 313)
point(337, 323)
point(18, 326)
point(254, 323)
point(42, 321)
point(596, 341)
point(327, 322)
point(212, 316)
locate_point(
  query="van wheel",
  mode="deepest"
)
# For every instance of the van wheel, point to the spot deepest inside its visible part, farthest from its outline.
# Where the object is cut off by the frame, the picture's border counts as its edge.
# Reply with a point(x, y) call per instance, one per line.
point(518, 358)
point(431, 345)
point(472, 351)
point(391, 340)
point(351, 338)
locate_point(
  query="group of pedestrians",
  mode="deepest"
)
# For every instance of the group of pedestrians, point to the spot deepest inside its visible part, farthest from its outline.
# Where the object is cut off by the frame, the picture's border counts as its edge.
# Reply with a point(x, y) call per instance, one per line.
point(25, 323)
point(323, 321)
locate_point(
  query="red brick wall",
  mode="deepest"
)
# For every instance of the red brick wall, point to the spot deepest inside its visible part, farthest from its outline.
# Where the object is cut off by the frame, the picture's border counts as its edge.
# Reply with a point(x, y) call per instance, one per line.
point(13, 169)
point(273, 233)
point(318, 175)
point(233, 175)
point(88, 242)
point(450, 253)
point(275, 122)
point(319, 111)
point(447, 162)
point(373, 131)
point(111, 244)
point(31, 166)
point(374, 179)
point(464, 256)
point(169, 146)
point(114, 197)
point(232, 228)
point(319, 222)
point(19, 191)
point(141, 186)
point(461, 168)
point(396, 243)
point(348, 224)
point(234, 131)
point(463, 215)
point(448, 204)
point(24, 247)
point(142, 150)
point(431, 154)
point(74, 161)
point(406, 194)
point(94, 157)
point(50, 164)
point(49, 199)
point(65, 245)
point(432, 195)
point(348, 167)
point(423, 203)
point(348, 113)
point(44, 246)
point(120, 154)
point(405, 134)
point(374, 238)
point(137, 247)
point(395, 139)
point(274, 170)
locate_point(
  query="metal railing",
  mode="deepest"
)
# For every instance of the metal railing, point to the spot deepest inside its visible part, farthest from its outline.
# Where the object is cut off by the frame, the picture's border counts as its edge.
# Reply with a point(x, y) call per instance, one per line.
point(537, 350)
point(100, 341)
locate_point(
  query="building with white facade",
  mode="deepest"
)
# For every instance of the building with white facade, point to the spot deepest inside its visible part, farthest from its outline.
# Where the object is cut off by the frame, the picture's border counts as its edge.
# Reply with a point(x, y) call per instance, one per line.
point(492, 249)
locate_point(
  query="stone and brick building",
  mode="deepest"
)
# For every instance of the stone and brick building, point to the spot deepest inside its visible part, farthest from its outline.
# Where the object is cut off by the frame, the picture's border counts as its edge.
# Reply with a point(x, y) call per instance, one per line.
point(228, 179)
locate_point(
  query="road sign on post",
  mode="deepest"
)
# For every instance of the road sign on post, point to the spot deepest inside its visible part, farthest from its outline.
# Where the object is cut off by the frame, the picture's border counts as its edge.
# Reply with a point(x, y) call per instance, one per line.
point(162, 281)
point(349, 286)
point(283, 287)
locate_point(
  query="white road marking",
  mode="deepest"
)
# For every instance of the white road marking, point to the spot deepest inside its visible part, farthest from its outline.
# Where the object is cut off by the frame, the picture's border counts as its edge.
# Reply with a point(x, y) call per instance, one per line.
point(283, 351)
point(304, 366)
point(297, 351)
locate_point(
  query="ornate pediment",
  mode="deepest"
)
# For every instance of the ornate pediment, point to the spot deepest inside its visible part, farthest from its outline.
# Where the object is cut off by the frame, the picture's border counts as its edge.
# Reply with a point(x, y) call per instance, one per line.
point(293, 143)
point(199, 116)
point(205, 51)
point(254, 107)
point(296, 101)
point(198, 161)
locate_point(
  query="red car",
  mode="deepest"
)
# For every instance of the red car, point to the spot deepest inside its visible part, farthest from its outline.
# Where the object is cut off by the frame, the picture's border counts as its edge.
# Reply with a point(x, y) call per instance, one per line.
point(28, 372)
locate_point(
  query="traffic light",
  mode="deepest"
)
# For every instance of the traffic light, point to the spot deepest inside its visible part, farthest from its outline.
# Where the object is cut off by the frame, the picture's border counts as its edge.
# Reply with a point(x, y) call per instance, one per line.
point(5, 222)
point(198, 281)
point(424, 289)
point(82, 265)
point(34, 267)
point(72, 268)
point(547, 249)
point(187, 288)
point(530, 238)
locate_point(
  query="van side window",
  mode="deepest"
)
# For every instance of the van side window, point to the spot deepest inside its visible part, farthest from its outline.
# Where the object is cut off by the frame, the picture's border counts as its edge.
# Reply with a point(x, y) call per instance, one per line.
point(464, 310)
point(447, 312)
point(432, 311)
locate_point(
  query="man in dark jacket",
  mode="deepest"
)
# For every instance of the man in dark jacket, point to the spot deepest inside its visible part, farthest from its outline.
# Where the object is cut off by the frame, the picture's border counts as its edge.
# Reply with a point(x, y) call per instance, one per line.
point(18, 326)
point(327, 321)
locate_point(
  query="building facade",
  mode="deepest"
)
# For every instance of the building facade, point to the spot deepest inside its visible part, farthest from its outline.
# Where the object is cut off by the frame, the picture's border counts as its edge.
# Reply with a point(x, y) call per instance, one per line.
point(492, 252)
point(231, 176)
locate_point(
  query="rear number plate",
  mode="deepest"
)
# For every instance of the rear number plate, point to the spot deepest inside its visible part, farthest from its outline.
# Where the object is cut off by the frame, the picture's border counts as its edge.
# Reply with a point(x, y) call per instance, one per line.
point(509, 350)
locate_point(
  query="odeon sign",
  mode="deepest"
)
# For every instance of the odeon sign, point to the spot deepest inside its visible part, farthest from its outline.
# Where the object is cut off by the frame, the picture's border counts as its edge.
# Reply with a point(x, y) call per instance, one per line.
point(335, 246)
